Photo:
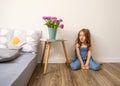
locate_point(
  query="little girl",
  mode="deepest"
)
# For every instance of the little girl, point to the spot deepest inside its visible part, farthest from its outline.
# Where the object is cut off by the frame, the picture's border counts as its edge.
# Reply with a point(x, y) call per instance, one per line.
point(83, 51)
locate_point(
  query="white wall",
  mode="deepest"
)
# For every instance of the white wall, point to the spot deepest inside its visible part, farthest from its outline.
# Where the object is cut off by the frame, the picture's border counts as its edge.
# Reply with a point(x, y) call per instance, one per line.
point(102, 17)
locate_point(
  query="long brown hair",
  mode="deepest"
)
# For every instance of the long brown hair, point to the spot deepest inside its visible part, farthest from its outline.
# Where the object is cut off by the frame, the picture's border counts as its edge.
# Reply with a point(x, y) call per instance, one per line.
point(87, 38)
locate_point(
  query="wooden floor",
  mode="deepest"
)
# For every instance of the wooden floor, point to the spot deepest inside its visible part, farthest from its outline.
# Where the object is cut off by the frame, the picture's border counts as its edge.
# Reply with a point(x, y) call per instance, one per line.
point(61, 75)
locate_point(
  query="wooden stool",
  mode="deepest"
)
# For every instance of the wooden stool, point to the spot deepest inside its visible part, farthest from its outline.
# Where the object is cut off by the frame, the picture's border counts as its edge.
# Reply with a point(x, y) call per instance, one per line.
point(47, 41)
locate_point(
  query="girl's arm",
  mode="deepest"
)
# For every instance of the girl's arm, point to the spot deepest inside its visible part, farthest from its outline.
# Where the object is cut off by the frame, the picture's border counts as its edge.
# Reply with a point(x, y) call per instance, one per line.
point(78, 54)
point(89, 56)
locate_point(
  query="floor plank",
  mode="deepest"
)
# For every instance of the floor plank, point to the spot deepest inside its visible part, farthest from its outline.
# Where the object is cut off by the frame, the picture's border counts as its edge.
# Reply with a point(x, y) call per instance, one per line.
point(62, 75)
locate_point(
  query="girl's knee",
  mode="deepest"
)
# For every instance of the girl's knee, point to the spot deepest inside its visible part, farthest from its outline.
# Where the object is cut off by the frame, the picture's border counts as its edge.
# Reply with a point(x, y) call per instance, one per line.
point(95, 67)
point(74, 66)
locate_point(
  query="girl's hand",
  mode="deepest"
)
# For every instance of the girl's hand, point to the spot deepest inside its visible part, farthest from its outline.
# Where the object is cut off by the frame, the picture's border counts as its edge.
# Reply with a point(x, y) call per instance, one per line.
point(86, 66)
point(83, 67)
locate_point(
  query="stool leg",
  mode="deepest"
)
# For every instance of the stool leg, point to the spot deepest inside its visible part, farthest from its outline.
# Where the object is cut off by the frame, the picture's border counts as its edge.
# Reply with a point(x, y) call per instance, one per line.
point(43, 52)
point(47, 56)
point(67, 61)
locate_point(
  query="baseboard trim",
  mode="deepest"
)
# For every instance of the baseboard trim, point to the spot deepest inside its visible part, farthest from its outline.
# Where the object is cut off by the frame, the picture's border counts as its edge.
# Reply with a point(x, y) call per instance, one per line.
point(100, 59)
point(109, 59)
point(56, 60)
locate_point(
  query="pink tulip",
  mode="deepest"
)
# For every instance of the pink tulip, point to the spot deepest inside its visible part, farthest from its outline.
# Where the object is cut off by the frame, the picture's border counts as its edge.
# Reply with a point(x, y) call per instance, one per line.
point(60, 20)
point(61, 26)
point(53, 22)
point(49, 17)
point(57, 22)
point(54, 18)
point(44, 17)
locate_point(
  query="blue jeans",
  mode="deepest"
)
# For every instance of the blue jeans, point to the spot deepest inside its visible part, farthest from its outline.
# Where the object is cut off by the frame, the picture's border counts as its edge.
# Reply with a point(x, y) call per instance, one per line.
point(75, 65)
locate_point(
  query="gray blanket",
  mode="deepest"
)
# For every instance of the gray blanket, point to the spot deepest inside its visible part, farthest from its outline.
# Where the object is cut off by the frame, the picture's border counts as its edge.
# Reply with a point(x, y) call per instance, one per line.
point(15, 73)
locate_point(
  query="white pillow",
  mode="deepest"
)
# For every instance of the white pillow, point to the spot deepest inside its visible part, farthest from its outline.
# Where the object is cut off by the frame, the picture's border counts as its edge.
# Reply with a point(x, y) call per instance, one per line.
point(3, 46)
point(28, 40)
point(5, 36)
point(29, 47)
point(17, 40)
point(32, 39)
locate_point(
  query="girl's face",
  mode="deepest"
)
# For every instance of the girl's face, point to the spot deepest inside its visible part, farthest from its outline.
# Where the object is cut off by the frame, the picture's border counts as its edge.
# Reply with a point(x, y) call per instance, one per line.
point(82, 36)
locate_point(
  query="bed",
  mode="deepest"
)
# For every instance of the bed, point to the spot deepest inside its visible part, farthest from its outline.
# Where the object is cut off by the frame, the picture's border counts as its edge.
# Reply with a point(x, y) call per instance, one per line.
point(18, 71)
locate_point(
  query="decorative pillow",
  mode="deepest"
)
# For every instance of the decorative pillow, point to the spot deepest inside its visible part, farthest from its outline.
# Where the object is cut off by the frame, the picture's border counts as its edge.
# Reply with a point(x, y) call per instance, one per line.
point(5, 36)
point(15, 41)
point(27, 39)
point(30, 47)
point(32, 40)
point(18, 39)
point(3, 46)
point(8, 54)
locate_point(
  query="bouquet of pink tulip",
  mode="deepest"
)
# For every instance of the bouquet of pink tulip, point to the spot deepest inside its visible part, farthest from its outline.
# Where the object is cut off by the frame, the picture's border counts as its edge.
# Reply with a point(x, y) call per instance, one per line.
point(53, 22)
